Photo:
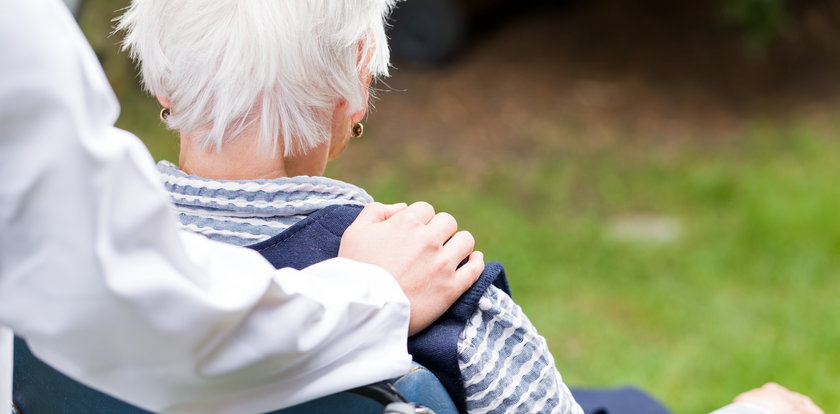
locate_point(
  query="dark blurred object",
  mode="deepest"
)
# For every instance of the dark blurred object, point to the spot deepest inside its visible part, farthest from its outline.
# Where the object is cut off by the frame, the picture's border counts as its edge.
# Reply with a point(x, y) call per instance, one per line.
point(436, 31)
point(427, 31)
point(761, 21)
point(439, 31)
point(75, 7)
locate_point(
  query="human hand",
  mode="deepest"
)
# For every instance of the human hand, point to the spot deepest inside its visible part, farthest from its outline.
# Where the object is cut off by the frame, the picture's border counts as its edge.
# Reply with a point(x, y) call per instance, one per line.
point(421, 249)
point(779, 400)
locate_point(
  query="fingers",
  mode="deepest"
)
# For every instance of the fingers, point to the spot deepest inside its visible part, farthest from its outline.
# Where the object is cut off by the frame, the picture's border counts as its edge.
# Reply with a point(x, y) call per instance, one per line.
point(391, 209)
point(810, 407)
point(458, 247)
point(442, 226)
point(467, 274)
point(420, 212)
point(377, 212)
point(774, 387)
point(372, 213)
point(777, 398)
point(803, 403)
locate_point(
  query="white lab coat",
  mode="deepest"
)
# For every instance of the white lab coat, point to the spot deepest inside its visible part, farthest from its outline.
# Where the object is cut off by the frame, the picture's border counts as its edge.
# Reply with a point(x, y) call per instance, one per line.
point(94, 274)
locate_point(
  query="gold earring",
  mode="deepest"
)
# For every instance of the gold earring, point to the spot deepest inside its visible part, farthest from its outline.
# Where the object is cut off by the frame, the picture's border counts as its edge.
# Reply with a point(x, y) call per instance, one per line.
point(164, 114)
point(357, 130)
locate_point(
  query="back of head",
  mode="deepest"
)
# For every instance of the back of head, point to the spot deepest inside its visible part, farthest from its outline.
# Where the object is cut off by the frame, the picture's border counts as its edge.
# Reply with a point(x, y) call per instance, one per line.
point(283, 64)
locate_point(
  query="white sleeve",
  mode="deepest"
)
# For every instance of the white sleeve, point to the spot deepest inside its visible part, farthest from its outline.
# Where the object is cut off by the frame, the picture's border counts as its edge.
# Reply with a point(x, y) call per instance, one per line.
point(5, 368)
point(94, 274)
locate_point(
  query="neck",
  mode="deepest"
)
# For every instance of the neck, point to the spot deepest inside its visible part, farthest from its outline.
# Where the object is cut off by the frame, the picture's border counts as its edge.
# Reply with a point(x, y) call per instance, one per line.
point(242, 159)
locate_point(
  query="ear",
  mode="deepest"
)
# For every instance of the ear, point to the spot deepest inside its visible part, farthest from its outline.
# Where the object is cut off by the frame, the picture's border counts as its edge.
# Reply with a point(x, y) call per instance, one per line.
point(363, 60)
point(359, 115)
point(163, 101)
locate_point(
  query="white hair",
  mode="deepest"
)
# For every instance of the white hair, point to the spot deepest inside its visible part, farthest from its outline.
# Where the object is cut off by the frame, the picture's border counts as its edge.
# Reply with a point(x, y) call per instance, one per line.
point(225, 64)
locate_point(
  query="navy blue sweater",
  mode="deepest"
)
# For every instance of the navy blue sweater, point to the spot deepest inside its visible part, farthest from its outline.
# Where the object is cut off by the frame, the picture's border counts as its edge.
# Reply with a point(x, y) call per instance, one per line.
point(317, 238)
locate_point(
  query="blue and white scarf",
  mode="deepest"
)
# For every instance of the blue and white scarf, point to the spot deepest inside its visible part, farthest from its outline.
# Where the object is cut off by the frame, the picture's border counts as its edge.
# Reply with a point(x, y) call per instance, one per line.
point(250, 211)
point(505, 363)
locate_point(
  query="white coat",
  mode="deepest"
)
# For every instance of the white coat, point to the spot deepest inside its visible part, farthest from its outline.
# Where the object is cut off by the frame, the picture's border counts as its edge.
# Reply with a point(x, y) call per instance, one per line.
point(95, 276)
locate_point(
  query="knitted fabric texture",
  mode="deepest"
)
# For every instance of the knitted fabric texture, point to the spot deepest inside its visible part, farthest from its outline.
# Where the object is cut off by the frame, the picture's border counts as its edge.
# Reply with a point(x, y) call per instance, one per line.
point(505, 364)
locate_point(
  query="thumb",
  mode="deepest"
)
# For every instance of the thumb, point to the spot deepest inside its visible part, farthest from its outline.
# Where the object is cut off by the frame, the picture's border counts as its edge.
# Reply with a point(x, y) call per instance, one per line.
point(378, 212)
point(392, 209)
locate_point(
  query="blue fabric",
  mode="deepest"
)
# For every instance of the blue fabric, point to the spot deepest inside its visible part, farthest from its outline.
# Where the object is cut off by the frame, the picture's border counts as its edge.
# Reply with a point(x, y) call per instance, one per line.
point(625, 400)
point(317, 238)
point(436, 347)
point(419, 385)
point(40, 389)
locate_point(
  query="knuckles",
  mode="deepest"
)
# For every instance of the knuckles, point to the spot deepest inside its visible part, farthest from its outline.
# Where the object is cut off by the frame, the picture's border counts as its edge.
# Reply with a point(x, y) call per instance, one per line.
point(448, 219)
point(423, 206)
point(430, 242)
point(411, 219)
point(443, 266)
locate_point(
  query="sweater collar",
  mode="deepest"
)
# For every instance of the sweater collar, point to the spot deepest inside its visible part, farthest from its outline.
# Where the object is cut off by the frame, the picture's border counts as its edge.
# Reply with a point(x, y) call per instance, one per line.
point(286, 196)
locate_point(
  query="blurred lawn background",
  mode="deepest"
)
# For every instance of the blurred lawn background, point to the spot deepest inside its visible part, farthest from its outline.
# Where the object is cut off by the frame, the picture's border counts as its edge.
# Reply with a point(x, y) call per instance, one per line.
point(663, 198)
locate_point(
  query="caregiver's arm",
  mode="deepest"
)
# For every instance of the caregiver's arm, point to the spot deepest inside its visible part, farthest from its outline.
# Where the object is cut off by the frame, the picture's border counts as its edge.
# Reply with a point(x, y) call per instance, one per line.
point(94, 275)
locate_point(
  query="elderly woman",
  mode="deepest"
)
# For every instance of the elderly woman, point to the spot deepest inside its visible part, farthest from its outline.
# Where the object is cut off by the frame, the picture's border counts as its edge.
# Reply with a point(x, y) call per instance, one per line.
point(263, 95)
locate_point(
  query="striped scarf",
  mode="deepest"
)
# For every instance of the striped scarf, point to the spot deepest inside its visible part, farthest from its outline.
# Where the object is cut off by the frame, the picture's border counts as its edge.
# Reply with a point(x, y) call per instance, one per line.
point(505, 363)
point(250, 211)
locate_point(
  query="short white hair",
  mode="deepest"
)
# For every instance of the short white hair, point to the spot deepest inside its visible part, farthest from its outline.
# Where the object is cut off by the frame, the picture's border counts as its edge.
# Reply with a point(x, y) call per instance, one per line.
point(225, 64)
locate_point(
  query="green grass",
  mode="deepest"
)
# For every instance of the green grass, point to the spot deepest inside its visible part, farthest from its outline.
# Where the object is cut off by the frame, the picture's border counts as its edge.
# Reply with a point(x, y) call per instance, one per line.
point(745, 293)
